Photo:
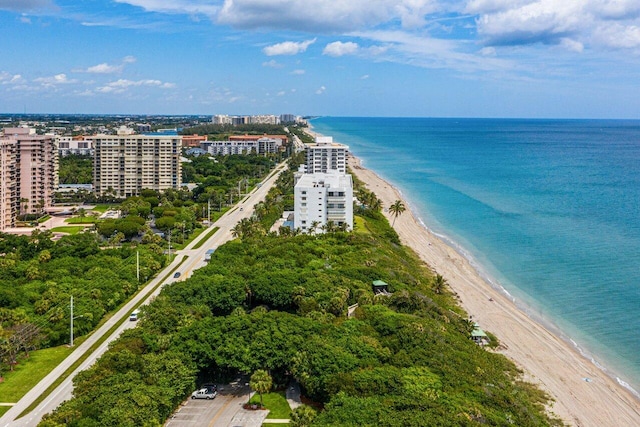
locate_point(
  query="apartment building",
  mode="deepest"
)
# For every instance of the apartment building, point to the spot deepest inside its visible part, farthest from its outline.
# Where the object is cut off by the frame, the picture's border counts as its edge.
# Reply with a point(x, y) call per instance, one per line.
point(125, 163)
point(260, 145)
point(193, 140)
point(9, 199)
point(326, 155)
point(29, 173)
point(323, 197)
point(74, 145)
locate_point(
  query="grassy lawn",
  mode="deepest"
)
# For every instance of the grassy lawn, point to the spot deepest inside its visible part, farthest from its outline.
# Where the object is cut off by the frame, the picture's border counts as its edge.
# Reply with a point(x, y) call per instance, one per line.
point(4, 409)
point(102, 208)
point(28, 373)
point(196, 233)
point(205, 238)
point(276, 403)
point(77, 220)
point(70, 229)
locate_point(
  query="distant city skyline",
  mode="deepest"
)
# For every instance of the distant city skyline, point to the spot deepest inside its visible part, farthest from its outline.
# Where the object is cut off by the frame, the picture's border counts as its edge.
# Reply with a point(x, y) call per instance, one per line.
point(411, 58)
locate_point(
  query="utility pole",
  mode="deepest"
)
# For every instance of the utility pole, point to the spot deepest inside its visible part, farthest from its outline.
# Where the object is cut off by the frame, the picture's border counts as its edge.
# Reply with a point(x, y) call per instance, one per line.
point(71, 327)
point(71, 322)
point(209, 211)
point(138, 265)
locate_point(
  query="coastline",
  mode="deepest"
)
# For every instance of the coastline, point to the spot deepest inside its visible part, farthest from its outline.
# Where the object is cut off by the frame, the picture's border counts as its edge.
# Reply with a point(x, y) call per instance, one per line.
point(582, 393)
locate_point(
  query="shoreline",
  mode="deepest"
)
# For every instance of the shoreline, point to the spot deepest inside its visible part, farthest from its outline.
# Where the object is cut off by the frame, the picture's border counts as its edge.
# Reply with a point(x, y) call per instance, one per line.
point(583, 394)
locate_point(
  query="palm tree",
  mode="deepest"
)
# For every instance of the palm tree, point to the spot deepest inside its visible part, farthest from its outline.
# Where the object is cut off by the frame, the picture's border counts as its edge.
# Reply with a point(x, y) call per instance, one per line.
point(82, 213)
point(439, 284)
point(261, 382)
point(302, 416)
point(396, 209)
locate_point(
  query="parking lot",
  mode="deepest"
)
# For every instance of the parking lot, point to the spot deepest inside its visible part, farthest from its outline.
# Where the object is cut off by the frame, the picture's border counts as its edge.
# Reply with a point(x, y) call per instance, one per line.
point(223, 411)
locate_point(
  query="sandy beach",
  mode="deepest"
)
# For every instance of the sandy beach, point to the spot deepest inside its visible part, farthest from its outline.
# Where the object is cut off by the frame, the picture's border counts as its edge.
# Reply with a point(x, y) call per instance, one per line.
point(583, 395)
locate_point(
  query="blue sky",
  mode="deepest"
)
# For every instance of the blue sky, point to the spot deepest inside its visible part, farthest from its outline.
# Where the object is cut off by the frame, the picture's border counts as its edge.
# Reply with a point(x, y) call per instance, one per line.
point(436, 58)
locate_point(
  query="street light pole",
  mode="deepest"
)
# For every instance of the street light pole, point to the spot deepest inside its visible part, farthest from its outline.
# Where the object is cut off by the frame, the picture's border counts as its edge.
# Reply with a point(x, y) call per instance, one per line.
point(71, 321)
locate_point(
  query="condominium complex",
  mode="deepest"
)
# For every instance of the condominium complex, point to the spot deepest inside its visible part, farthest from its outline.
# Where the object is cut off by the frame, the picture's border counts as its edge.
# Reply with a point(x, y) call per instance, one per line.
point(8, 189)
point(222, 119)
point(78, 145)
point(326, 155)
point(323, 197)
point(29, 173)
point(126, 163)
point(258, 146)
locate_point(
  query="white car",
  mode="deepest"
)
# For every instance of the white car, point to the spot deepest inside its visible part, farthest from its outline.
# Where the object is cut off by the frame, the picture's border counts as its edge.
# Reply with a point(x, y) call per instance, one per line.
point(204, 394)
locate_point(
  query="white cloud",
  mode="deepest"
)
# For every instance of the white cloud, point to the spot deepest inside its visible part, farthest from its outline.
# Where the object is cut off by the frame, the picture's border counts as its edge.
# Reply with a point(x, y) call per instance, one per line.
point(25, 20)
point(104, 68)
point(321, 90)
point(488, 51)
point(426, 52)
point(616, 35)
point(340, 48)
point(570, 24)
point(189, 7)
point(298, 72)
point(281, 93)
point(121, 85)
point(365, 77)
point(288, 48)
point(7, 78)
point(323, 15)
point(272, 64)
point(58, 79)
point(571, 45)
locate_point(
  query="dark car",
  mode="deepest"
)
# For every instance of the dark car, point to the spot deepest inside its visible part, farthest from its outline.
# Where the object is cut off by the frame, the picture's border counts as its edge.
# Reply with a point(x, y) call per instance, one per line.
point(176, 275)
point(210, 386)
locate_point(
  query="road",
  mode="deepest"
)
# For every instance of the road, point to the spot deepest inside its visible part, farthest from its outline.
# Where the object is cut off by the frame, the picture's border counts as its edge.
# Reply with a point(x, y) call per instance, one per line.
point(194, 260)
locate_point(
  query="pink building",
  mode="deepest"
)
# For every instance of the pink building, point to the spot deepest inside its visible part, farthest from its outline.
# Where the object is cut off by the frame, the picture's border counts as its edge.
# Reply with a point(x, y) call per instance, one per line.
point(29, 173)
point(8, 186)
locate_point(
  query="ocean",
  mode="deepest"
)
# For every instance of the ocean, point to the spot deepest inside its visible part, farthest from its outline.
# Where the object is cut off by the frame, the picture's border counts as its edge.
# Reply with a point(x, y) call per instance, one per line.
point(546, 210)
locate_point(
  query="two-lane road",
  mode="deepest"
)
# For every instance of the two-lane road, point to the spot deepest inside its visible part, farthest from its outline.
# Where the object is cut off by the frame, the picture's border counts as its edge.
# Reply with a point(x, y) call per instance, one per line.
point(195, 258)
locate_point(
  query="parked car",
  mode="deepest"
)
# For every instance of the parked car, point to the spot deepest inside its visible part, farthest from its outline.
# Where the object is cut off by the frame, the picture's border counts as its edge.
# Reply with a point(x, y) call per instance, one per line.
point(204, 394)
point(210, 386)
point(176, 275)
point(134, 316)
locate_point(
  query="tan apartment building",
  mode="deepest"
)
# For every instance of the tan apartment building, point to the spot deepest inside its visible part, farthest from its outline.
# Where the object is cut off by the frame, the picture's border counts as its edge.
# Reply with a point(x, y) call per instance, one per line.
point(126, 163)
point(29, 173)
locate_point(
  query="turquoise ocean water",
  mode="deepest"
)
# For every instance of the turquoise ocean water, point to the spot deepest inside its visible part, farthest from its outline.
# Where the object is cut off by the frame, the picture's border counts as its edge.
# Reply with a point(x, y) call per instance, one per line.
point(548, 210)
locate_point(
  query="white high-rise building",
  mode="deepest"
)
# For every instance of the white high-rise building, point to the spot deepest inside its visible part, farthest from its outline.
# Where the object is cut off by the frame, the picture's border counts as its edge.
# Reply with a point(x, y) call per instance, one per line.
point(72, 145)
point(126, 163)
point(221, 119)
point(325, 156)
point(323, 197)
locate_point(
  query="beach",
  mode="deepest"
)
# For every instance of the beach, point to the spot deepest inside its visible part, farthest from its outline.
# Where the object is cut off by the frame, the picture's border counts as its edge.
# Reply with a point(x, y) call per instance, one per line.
point(582, 394)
